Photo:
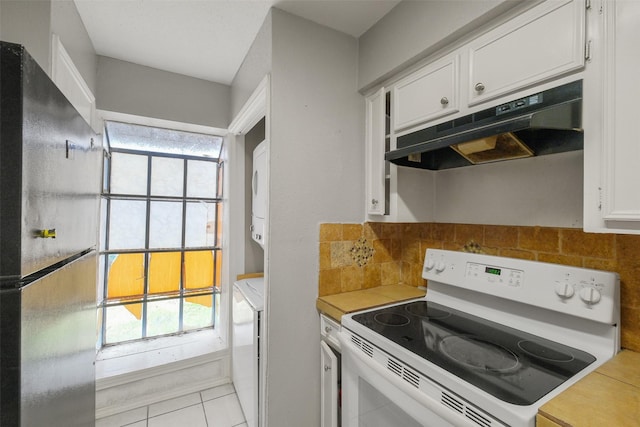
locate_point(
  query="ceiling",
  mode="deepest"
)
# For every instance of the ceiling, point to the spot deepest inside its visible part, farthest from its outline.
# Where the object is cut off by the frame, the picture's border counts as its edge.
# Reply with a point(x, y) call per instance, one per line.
point(207, 39)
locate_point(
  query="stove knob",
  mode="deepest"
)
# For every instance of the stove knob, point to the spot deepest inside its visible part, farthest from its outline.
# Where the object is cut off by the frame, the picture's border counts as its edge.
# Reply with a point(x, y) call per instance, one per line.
point(429, 264)
point(440, 266)
point(590, 295)
point(564, 290)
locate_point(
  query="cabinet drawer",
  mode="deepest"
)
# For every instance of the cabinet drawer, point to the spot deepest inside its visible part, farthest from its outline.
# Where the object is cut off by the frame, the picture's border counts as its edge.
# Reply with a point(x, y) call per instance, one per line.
point(329, 330)
point(427, 94)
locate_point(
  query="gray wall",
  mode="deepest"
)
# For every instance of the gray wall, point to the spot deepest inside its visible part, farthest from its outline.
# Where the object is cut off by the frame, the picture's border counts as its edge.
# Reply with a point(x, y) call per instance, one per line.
point(31, 24)
point(129, 88)
point(256, 65)
point(28, 23)
point(416, 28)
point(316, 176)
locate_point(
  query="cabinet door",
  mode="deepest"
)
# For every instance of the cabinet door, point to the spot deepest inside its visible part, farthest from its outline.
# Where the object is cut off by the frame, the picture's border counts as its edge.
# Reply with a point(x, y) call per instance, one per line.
point(543, 42)
point(375, 143)
point(329, 387)
point(621, 200)
point(427, 94)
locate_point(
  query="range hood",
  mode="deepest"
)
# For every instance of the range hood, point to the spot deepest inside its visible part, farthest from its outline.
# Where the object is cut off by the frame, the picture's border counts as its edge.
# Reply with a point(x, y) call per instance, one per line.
point(543, 123)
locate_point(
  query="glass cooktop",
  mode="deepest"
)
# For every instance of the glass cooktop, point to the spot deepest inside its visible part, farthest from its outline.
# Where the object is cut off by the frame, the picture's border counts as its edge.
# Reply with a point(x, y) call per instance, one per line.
point(512, 365)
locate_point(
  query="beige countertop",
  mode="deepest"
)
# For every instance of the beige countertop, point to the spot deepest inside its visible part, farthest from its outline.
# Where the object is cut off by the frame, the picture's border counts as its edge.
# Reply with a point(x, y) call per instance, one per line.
point(336, 305)
point(610, 396)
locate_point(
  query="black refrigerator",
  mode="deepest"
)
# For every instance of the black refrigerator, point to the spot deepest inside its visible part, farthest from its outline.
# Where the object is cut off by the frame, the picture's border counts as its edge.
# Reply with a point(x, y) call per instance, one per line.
point(50, 162)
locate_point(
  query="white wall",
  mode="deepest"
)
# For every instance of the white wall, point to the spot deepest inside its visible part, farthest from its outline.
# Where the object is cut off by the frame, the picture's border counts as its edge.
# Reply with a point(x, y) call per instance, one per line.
point(416, 28)
point(544, 191)
point(129, 88)
point(316, 176)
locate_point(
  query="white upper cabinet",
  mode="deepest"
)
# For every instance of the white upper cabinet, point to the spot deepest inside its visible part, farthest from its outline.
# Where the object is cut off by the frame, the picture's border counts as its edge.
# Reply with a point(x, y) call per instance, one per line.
point(612, 160)
point(427, 94)
point(546, 41)
point(376, 138)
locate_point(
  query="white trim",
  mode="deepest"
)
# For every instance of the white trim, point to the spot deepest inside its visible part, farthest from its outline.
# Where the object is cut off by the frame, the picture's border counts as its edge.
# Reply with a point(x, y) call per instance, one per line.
point(69, 80)
point(253, 110)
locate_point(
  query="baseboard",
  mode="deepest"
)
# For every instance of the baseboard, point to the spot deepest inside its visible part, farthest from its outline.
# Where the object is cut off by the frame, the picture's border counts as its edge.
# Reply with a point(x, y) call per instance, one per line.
point(152, 385)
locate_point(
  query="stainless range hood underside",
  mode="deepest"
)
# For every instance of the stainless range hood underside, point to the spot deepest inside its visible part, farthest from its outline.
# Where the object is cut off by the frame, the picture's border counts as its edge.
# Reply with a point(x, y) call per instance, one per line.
point(545, 123)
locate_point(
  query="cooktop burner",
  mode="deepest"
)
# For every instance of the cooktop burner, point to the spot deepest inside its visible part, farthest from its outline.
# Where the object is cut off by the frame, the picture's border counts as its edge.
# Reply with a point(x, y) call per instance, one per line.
point(479, 354)
point(391, 319)
point(511, 365)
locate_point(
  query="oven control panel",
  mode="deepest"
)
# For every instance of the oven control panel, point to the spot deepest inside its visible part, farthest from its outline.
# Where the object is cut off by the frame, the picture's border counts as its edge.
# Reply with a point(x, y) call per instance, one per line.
point(590, 294)
point(493, 274)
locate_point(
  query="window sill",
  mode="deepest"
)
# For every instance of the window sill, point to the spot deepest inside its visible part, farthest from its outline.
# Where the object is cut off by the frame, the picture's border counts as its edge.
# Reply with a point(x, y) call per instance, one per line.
point(124, 359)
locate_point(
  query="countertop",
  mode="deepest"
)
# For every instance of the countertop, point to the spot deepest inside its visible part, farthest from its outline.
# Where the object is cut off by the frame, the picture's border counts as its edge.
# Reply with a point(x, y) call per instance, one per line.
point(609, 396)
point(336, 305)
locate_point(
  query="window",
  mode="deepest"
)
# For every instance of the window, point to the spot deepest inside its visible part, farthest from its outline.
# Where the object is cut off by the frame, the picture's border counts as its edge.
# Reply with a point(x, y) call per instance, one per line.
point(160, 256)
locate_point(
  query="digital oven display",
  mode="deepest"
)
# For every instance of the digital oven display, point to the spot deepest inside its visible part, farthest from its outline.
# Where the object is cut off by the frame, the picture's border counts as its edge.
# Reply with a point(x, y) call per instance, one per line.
point(492, 270)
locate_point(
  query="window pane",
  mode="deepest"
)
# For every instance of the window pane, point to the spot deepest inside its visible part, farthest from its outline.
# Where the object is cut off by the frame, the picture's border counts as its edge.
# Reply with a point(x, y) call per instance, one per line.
point(126, 275)
point(200, 225)
point(124, 323)
point(127, 224)
point(198, 312)
point(146, 138)
point(128, 174)
point(163, 317)
point(198, 269)
point(201, 178)
point(165, 226)
point(167, 176)
point(164, 272)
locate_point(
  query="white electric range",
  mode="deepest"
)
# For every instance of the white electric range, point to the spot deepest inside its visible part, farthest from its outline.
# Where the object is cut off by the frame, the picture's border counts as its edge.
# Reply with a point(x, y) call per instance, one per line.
point(493, 340)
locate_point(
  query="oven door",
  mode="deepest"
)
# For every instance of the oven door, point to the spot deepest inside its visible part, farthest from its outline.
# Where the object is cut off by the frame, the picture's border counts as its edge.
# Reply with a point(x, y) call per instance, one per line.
point(374, 396)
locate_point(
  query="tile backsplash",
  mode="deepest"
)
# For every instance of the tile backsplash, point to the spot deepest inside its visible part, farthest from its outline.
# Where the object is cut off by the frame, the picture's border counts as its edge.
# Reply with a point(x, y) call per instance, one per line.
point(361, 256)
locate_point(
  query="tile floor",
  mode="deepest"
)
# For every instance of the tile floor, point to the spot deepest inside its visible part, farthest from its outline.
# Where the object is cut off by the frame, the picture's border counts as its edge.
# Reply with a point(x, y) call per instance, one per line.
point(215, 407)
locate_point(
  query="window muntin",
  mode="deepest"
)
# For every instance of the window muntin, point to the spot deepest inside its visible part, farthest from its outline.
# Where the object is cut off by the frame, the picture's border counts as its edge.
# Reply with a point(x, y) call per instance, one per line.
point(160, 256)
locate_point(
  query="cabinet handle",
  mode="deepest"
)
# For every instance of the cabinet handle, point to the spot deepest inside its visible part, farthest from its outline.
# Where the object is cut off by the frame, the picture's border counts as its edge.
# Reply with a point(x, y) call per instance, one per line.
point(374, 201)
point(327, 368)
point(444, 100)
point(479, 87)
point(327, 329)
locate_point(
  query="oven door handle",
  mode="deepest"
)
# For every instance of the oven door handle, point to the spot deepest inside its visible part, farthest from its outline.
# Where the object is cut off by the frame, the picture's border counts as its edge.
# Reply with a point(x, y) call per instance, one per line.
point(439, 409)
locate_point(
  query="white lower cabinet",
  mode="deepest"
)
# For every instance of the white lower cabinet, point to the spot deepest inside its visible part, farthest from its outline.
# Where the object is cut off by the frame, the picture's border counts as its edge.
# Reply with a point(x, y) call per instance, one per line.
point(329, 373)
point(612, 159)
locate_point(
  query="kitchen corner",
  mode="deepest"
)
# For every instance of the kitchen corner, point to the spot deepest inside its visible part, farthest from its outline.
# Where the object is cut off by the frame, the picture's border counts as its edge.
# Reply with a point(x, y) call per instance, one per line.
point(367, 265)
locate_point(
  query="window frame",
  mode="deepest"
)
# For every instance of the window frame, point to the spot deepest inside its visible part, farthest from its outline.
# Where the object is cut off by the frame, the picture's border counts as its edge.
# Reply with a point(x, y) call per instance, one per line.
point(183, 293)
